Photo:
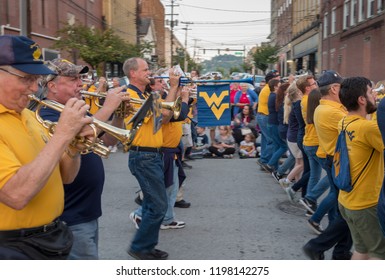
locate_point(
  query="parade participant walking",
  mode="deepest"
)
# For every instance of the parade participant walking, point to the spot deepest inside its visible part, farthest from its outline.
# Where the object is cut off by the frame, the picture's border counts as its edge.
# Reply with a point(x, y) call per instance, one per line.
point(366, 158)
point(82, 207)
point(33, 165)
point(146, 164)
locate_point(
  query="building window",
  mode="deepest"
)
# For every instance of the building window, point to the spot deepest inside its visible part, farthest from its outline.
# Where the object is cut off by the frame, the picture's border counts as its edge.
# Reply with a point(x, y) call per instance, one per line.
point(380, 5)
point(346, 14)
point(370, 8)
point(353, 12)
point(70, 19)
point(334, 19)
point(326, 20)
point(361, 10)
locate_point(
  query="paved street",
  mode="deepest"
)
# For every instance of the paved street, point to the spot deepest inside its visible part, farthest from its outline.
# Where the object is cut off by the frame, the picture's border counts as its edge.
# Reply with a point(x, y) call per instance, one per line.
point(238, 212)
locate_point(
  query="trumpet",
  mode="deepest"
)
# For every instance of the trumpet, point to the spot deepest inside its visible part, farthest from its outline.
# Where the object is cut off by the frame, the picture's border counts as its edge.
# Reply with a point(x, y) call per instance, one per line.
point(98, 95)
point(175, 106)
point(183, 81)
point(380, 88)
point(96, 146)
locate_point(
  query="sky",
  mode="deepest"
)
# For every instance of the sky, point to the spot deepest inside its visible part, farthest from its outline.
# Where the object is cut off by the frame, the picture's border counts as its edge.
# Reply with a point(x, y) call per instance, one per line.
point(213, 24)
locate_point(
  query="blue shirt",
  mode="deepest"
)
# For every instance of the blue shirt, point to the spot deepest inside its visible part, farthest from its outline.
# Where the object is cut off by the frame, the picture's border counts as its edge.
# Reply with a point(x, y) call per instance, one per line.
point(82, 198)
point(251, 95)
point(273, 114)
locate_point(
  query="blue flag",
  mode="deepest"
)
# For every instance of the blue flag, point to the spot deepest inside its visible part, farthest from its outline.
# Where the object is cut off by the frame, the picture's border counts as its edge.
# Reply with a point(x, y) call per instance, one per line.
point(214, 105)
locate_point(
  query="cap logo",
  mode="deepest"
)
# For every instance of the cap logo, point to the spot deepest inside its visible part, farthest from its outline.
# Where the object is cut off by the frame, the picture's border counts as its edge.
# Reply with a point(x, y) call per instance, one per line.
point(36, 53)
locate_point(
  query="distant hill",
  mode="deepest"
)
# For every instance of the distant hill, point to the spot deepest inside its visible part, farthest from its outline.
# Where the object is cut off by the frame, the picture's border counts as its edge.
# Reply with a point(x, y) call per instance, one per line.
point(224, 62)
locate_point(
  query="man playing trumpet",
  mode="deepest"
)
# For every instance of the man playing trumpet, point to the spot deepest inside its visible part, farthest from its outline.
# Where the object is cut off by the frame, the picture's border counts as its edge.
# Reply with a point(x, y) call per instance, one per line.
point(146, 163)
point(83, 196)
point(33, 166)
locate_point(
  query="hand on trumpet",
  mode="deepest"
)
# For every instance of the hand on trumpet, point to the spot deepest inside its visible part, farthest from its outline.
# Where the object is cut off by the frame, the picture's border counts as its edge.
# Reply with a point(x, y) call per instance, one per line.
point(174, 78)
point(73, 121)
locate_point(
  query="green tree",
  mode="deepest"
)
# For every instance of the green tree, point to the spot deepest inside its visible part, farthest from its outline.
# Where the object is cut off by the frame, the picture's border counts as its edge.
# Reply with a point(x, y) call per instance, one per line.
point(264, 56)
point(97, 46)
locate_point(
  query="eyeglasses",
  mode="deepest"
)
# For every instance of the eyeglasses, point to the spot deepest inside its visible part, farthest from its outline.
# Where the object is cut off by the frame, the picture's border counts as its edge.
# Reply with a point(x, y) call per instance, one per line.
point(28, 79)
point(313, 84)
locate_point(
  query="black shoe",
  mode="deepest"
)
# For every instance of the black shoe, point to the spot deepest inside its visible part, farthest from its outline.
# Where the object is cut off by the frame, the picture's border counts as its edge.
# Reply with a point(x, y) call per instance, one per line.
point(311, 254)
point(189, 157)
point(182, 204)
point(154, 254)
point(308, 204)
point(185, 165)
point(138, 200)
point(277, 176)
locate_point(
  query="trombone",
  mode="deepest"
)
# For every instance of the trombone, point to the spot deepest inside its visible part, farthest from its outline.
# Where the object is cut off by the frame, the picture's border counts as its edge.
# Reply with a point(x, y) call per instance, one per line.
point(96, 146)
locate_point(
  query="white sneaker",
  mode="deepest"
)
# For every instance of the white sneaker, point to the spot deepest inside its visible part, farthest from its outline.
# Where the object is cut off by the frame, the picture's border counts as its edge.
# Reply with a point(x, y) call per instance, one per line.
point(113, 149)
point(135, 219)
point(173, 225)
point(284, 182)
point(290, 194)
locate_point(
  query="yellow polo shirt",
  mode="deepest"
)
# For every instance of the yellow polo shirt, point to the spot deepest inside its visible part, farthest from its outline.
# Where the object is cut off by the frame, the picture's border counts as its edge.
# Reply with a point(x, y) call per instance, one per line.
point(144, 136)
point(362, 136)
point(21, 140)
point(310, 138)
point(172, 133)
point(326, 118)
point(263, 99)
point(92, 101)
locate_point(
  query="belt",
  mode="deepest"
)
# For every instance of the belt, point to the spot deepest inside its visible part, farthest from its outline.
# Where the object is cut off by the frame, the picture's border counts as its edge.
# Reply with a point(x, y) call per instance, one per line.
point(145, 149)
point(25, 232)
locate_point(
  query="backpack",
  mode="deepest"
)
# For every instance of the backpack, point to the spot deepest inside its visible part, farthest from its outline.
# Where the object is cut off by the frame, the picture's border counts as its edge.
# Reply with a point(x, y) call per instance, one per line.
point(341, 164)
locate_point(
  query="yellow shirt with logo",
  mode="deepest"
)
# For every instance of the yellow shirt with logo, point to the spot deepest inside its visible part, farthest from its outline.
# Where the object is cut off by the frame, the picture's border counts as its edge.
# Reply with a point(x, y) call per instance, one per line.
point(21, 140)
point(326, 118)
point(362, 137)
point(145, 136)
point(263, 99)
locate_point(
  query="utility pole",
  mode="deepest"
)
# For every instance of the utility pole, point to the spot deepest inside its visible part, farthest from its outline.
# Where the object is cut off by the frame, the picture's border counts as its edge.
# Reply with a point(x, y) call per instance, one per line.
point(172, 24)
point(185, 47)
point(25, 18)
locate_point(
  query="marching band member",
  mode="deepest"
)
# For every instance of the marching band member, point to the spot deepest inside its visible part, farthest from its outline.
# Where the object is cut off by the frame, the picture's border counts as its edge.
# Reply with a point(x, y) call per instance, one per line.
point(82, 207)
point(33, 166)
point(146, 164)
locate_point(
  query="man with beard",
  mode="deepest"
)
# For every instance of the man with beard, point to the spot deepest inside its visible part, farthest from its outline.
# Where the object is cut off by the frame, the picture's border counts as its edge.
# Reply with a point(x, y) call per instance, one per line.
point(365, 149)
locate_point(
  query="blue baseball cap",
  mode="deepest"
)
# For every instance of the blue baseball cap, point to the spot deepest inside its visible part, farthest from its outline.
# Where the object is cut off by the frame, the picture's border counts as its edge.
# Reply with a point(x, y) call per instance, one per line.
point(329, 77)
point(22, 53)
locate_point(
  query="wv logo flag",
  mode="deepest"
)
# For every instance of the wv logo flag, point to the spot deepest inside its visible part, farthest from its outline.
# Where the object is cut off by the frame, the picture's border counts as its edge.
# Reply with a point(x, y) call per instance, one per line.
point(214, 105)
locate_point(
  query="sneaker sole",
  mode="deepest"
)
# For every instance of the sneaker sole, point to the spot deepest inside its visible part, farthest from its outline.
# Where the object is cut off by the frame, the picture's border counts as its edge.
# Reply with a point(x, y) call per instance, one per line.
point(303, 203)
point(316, 231)
point(164, 227)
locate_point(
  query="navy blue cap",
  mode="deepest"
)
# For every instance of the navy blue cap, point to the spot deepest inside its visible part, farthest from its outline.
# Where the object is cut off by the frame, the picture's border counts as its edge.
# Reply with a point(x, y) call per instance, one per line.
point(22, 53)
point(329, 77)
point(272, 74)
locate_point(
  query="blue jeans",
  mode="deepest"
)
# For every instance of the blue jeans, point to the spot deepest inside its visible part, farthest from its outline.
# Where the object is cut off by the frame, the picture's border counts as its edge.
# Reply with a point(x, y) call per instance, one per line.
point(315, 186)
point(279, 145)
point(147, 167)
point(86, 239)
point(288, 164)
point(330, 203)
point(172, 192)
point(266, 142)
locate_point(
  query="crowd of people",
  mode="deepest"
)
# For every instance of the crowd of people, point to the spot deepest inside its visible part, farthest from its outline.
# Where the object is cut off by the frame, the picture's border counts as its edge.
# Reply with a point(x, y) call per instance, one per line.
point(314, 113)
point(52, 175)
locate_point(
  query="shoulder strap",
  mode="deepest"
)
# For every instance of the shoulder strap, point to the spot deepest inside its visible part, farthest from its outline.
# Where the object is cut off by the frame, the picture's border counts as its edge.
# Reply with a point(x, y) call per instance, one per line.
point(371, 155)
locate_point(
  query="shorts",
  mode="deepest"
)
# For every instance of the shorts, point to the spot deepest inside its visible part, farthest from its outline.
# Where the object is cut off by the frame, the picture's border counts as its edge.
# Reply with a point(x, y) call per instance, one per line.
point(294, 149)
point(365, 230)
point(186, 135)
